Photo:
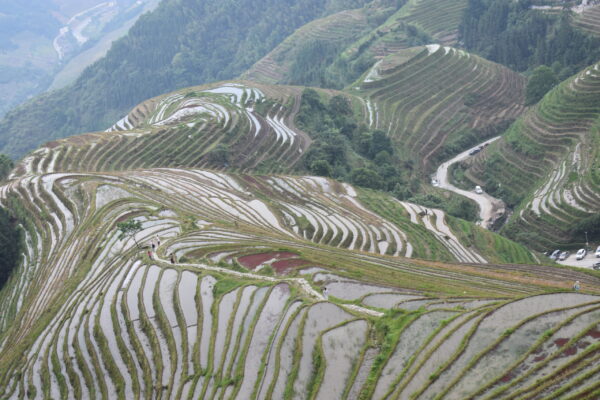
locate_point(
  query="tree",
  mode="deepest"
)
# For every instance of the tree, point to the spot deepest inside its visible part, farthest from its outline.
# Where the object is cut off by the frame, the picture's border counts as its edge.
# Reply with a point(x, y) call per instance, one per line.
point(10, 245)
point(379, 142)
point(366, 177)
point(542, 80)
point(129, 229)
point(321, 168)
point(6, 165)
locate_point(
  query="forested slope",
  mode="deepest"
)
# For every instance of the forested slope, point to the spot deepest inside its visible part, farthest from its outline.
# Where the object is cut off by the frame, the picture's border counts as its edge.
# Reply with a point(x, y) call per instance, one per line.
point(180, 44)
point(511, 33)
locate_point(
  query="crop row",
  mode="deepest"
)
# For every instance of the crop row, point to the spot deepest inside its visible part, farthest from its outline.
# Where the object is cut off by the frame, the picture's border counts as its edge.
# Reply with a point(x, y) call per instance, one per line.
point(470, 93)
point(547, 158)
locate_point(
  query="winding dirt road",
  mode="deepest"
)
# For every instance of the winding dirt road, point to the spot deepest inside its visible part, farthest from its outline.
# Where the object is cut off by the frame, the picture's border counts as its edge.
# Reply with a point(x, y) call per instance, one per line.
point(489, 206)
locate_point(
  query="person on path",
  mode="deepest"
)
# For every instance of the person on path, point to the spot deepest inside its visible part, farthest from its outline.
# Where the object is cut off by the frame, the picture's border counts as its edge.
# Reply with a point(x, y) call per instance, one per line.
point(576, 286)
point(153, 245)
point(157, 241)
point(150, 254)
point(173, 261)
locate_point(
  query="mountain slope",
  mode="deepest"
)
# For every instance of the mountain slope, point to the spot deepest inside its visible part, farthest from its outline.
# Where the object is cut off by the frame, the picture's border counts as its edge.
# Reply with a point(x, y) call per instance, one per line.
point(334, 51)
point(162, 48)
point(589, 20)
point(248, 127)
point(547, 165)
point(431, 98)
point(331, 33)
point(101, 318)
point(38, 39)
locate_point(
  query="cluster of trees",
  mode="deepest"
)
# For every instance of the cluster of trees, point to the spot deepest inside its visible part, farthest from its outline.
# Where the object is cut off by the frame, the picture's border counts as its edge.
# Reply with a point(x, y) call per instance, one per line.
point(540, 82)
point(510, 33)
point(10, 240)
point(345, 149)
point(181, 43)
point(6, 165)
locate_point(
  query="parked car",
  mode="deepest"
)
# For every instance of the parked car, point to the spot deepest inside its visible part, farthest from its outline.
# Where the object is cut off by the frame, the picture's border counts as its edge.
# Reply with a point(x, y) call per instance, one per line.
point(474, 151)
point(435, 182)
point(596, 266)
point(581, 254)
point(554, 254)
point(563, 256)
point(598, 252)
point(478, 189)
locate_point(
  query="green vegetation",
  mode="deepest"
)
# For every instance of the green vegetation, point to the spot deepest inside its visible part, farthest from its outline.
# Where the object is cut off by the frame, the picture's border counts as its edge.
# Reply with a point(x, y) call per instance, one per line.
point(10, 245)
point(493, 247)
point(510, 33)
point(343, 148)
point(435, 101)
point(129, 229)
point(6, 165)
point(457, 206)
point(540, 82)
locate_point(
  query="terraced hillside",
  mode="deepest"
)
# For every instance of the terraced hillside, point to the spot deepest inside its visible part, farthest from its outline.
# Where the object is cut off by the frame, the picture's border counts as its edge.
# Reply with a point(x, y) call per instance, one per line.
point(231, 125)
point(440, 19)
point(547, 164)
point(589, 20)
point(428, 99)
point(333, 32)
point(249, 127)
point(249, 308)
point(344, 44)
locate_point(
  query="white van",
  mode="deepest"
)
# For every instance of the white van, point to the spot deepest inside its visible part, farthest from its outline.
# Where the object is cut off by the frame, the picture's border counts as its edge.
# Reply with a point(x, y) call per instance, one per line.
point(478, 189)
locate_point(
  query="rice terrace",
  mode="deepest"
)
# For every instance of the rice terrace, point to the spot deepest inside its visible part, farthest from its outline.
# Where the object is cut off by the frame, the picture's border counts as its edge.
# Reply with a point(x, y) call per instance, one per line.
point(312, 199)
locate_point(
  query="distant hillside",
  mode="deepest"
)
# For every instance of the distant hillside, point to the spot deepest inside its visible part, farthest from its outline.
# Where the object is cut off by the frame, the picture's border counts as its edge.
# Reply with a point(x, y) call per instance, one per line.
point(334, 51)
point(436, 100)
point(180, 44)
point(38, 40)
point(302, 56)
point(522, 37)
point(547, 166)
point(589, 20)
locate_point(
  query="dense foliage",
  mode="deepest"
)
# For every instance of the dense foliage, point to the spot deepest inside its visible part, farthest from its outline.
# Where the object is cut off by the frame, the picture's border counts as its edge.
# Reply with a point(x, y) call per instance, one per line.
point(346, 150)
point(9, 245)
point(343, 148)
point(6, 164)
point(541, 81)
point(181, 43)
point(510, 33)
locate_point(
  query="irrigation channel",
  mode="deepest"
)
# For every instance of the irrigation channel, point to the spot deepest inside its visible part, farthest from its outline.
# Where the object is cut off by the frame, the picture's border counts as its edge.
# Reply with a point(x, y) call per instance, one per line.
point(490, 208)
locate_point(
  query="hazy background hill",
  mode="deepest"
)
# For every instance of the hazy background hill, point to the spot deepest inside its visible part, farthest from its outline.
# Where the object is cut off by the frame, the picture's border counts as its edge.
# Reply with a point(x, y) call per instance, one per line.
point(48, 43)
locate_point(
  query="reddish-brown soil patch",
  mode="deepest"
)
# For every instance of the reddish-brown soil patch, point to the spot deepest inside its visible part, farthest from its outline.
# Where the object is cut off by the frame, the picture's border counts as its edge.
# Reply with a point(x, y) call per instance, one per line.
point(285, 265)
point(254, 260)
point(508, 377)
point(561, 342)
point(541, 357)
point(594, 334)
point(570, 351)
